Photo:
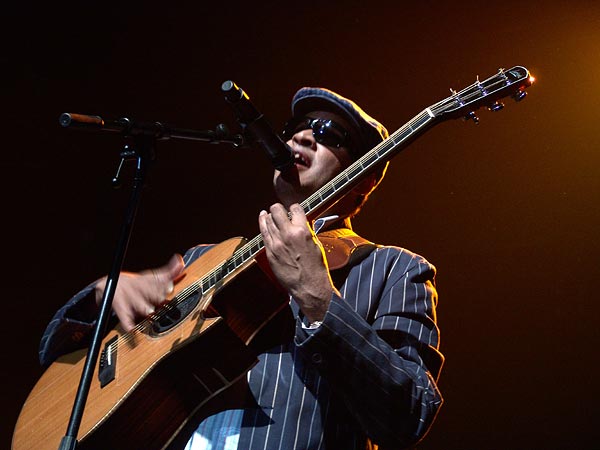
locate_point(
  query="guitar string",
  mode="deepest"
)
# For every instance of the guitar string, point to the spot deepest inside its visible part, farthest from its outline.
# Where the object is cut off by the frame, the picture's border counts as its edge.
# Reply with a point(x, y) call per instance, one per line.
point(385, 147)
point(194, 287)
point(186, 292)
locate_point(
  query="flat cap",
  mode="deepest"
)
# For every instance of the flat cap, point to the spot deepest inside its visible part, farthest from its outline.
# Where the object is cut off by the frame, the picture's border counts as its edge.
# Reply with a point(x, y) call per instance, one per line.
point(370, 131)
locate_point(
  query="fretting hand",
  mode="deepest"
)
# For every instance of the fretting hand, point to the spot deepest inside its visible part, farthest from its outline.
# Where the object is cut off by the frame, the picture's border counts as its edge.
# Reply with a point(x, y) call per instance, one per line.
point(297, 259)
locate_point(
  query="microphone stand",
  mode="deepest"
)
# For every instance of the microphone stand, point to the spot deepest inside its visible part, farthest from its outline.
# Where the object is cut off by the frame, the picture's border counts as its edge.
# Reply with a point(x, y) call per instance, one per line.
point(143, 152)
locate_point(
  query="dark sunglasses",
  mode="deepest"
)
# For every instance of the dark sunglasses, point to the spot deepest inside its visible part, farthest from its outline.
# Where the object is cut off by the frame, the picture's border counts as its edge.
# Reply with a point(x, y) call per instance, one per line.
point(325, 131)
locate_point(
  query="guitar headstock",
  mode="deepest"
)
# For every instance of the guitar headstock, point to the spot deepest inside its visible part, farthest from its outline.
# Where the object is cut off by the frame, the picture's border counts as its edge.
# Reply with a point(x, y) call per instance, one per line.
point(487, 93)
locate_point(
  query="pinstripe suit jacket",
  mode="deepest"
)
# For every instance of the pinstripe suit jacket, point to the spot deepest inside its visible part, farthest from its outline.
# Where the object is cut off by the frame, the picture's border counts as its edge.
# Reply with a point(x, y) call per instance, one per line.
point(365, 377)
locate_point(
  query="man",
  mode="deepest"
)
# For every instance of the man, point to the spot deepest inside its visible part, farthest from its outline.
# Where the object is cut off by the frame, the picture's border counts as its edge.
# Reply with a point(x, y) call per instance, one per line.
point(359, 369)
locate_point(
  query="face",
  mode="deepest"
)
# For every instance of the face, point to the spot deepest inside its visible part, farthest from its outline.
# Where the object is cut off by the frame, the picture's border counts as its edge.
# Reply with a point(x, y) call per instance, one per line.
point(315, 164)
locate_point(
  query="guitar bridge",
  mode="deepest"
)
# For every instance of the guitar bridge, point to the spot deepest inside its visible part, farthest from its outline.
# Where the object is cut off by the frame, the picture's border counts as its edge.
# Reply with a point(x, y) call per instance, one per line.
point(108, 363)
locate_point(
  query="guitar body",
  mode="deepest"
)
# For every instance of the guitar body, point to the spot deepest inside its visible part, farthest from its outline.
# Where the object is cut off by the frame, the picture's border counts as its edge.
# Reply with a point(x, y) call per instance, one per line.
point(160, 379)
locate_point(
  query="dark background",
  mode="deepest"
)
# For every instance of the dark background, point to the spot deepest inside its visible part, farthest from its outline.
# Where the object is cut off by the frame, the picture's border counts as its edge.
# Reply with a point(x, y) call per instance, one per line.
point(506, 210)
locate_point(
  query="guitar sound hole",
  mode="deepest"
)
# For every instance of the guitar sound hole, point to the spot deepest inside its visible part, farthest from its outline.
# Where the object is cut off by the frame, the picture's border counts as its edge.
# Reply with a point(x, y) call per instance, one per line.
point(174, 312)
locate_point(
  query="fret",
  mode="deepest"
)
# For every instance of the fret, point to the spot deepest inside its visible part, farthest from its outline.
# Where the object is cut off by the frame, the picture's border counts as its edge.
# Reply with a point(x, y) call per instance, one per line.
point(205, 286)
point(239, 259)
point(401, 135)
point(229, 266)
point(422, 119)
point(339, 182)
point(246, 252)
point(327, 192)
point(212, 278)
point(386, 147)
point(312, 204)
point(367, 161)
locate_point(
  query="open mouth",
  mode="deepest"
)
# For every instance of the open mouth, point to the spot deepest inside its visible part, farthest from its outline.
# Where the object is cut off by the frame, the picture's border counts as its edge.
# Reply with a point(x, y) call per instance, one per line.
point(300, 160)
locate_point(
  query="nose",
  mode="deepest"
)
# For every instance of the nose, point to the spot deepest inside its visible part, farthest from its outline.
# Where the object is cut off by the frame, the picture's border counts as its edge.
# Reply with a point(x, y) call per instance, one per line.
point(305, 138)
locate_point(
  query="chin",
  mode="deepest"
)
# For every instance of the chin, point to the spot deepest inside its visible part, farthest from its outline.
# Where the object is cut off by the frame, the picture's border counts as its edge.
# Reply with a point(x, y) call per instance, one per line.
point(288, 190)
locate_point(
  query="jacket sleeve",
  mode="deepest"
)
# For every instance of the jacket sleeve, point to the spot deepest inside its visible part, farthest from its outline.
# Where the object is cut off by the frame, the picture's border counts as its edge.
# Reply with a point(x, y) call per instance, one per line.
point(378, 346)
point(71, 327)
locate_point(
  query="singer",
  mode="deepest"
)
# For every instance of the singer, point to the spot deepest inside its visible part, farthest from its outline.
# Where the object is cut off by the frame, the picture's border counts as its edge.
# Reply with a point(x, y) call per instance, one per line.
point(358, 363)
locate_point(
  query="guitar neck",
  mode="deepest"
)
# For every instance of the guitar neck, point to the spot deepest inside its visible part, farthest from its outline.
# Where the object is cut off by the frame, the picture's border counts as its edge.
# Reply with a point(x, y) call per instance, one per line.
point(460, 104)
point(367, 164)
point(329, 193)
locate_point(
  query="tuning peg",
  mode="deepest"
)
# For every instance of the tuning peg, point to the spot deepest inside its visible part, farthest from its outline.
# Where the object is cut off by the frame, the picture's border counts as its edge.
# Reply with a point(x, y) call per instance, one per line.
point(496, 106)
point(473, 117)
point(520, 95)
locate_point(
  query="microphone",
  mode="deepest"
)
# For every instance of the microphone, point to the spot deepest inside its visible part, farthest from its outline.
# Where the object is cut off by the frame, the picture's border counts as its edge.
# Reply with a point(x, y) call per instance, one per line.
point(250, 118)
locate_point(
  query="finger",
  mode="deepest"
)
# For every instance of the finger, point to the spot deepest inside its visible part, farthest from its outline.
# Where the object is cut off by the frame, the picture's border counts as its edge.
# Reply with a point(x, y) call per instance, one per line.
point(145, 308)
point(269, 231)
point(263, 216)
point(164, 276)
point(127, 324)
point(150, 310)
point(279, 216)
point(175, 266)
point(298, 215)
point(126, 318)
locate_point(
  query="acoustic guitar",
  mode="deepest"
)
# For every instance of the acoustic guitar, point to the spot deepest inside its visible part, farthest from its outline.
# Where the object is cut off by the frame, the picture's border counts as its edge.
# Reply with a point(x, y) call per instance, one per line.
point(151, 381)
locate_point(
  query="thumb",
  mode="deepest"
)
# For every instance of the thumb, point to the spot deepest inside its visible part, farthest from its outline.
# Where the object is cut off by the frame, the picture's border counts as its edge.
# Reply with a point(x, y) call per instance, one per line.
point(167, 274)
point(174, 267)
